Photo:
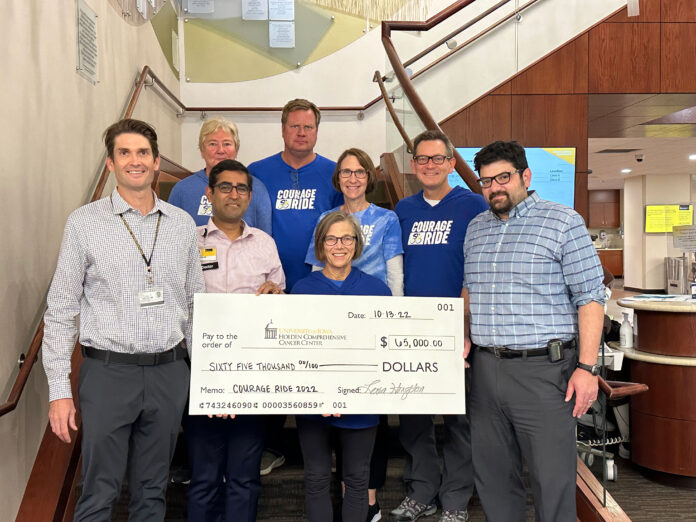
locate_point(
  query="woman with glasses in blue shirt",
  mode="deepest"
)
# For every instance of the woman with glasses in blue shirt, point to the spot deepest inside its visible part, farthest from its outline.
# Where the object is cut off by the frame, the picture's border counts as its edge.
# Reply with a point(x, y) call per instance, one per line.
point(337, 241)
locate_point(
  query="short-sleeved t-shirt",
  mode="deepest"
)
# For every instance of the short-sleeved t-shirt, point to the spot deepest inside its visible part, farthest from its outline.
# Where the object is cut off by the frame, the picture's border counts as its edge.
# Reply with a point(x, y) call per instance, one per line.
point(298, 197)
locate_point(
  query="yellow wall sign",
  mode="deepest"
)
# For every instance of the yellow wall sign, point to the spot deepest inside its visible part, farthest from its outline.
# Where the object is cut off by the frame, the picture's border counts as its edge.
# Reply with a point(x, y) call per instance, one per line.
point(661, 218)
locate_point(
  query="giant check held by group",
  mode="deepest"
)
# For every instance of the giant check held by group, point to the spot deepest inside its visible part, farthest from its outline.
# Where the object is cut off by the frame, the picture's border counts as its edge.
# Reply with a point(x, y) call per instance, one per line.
point(326, 354)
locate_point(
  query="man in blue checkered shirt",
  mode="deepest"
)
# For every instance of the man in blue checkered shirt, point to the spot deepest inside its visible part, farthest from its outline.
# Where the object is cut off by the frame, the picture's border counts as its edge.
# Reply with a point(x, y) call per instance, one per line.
point(533, 283)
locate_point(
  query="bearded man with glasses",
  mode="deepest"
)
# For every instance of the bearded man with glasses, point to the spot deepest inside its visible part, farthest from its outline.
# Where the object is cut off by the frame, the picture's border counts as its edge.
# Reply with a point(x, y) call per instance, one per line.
point(534, 286)
point(433, 226)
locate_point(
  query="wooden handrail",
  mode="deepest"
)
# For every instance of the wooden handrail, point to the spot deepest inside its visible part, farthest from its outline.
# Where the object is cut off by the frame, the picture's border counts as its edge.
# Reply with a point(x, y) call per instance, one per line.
point(476, 36)
point(618, 389)
point(410, 92)
point(24, 371)
point(454, 33)
point(390, 170)
point(166, 165)
point(400, 69)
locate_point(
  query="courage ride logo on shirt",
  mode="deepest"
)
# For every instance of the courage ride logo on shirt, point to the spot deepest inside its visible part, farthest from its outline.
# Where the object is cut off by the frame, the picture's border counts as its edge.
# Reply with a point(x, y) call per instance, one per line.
point(296, 199)
point(205, 208)
point(430, 232)
point(367, 233)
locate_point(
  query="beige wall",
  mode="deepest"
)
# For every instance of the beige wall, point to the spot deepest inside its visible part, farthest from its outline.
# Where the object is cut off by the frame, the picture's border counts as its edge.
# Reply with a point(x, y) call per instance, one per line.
point(644, 253)
point(52, 120)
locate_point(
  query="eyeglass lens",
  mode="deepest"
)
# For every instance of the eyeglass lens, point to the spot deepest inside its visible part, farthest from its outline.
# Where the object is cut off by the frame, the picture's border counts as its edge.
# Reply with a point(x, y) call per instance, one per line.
point(346, 240)
point(347, 173)
point(438, 159)
point(226, 188)
point(502, 179)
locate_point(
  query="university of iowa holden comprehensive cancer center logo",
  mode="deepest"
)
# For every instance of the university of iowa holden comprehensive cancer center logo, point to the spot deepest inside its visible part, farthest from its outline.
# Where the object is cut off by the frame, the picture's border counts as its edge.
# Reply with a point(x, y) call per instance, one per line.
point(271, 331)
point(430, 232)
point(299, 336)
point(297, 199)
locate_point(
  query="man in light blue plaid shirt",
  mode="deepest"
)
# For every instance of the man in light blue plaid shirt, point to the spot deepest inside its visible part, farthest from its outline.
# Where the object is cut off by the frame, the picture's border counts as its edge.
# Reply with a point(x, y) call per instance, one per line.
point(128, 269)
point(533, 282)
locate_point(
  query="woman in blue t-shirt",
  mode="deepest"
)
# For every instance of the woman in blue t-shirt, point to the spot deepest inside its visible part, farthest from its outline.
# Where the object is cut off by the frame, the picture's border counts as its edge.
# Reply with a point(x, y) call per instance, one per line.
point(355, 176)
point(338, 240)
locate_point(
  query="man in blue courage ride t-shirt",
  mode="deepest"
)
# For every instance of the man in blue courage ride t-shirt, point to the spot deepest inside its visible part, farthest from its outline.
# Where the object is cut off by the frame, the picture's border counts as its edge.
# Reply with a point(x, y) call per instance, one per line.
point(299, 185)
point(433, 227)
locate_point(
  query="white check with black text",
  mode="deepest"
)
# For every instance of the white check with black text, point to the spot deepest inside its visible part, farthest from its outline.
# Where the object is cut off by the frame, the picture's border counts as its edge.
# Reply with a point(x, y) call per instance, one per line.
point(327, 354)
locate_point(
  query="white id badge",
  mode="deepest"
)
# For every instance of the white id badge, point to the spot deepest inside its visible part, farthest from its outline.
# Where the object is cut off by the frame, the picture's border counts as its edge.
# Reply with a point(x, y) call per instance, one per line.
point(152, 297)
point(208, 255)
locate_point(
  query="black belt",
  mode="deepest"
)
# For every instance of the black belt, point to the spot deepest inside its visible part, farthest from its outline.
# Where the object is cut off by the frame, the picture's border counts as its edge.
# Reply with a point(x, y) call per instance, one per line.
point(179, 352)
point(502, 352)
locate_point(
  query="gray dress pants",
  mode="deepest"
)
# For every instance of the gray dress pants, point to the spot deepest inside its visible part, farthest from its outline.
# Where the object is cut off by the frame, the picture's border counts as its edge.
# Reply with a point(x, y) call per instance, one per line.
point(130, 420)
point(424, 479)
point(518, 411)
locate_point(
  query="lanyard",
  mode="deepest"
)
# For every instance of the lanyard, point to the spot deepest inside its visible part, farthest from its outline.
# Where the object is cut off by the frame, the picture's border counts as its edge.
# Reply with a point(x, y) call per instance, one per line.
point(148, 262)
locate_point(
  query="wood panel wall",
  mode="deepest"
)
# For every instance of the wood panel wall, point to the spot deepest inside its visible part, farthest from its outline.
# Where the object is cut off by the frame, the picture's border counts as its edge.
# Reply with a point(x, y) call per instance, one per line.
point(546, 104)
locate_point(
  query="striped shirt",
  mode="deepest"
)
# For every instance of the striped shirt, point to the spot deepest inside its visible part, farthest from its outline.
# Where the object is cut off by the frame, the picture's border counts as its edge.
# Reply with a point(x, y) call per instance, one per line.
point(99, 275)
point(243, 264)
point(527, 275)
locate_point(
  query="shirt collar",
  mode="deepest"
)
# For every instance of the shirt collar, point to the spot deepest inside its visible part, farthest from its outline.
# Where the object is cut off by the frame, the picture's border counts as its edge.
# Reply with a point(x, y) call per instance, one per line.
point(213, 229)
point(121, 206)
point(524, 206)
point(521, 209)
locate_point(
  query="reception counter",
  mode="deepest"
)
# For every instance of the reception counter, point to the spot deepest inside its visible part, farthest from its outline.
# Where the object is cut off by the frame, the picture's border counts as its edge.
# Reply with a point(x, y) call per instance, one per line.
point(663, 420)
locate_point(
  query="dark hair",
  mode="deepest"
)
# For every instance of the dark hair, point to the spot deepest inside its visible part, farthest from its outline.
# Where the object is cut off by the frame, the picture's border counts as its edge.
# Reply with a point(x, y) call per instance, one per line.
point(365, 162)
point(227, 165)
point(299, 104)
point(510, 151)
point(130, 126)
point(322, 231)
point(433, 135)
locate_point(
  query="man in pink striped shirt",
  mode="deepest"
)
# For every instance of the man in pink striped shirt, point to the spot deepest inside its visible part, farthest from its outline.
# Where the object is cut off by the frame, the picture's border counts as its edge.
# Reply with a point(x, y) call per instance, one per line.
point(235, 258)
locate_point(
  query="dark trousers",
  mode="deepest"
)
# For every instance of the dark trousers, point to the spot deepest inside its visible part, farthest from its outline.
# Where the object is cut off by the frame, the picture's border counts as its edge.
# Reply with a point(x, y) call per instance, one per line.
point(229, 448)
point(356, 451)
point(454, 484)
point(518, 411)
point(130, 420)
point(380, 454)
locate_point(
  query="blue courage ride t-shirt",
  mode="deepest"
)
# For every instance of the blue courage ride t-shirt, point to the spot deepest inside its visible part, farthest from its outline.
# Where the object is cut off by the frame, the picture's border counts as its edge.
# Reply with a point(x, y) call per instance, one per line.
point(381, 237)
point(298, 197)
point(433, 241)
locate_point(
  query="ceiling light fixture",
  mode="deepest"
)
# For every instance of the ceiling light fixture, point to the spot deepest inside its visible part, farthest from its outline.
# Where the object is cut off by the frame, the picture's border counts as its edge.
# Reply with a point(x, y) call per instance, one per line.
point(692, 157)
point(626, 171)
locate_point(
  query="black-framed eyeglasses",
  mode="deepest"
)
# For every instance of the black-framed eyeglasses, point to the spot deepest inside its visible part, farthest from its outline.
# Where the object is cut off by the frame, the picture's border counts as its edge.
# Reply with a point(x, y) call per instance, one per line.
point(226, 188)
point(438, 159)
point(347, 173)
point(345, 240)
point(501, 179)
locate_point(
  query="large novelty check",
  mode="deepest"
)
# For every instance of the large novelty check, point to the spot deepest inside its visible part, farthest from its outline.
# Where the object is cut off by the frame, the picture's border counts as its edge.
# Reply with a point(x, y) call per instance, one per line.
point(326, 354)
